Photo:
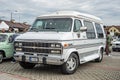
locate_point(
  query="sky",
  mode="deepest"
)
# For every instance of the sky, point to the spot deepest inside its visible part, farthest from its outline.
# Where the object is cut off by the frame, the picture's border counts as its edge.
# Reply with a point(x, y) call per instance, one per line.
point(28, 10)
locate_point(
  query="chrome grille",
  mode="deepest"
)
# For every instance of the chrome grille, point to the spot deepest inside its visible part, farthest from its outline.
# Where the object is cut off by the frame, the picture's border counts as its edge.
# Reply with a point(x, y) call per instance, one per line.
point(36, 44)
point(37, 47)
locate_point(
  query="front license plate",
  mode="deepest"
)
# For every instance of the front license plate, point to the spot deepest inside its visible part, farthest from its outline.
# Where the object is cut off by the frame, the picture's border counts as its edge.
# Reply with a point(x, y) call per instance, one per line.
point(33, 59)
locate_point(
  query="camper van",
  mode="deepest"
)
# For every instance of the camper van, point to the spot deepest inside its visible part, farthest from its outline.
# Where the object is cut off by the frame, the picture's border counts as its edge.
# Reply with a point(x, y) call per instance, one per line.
point(65, 38)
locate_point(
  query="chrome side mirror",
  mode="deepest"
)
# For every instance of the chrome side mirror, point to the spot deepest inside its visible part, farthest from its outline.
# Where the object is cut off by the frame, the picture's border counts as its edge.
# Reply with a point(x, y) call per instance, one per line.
point(83, 29)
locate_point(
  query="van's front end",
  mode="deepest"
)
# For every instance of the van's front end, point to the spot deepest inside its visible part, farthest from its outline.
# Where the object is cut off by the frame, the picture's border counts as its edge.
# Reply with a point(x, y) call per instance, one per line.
point(44, 42)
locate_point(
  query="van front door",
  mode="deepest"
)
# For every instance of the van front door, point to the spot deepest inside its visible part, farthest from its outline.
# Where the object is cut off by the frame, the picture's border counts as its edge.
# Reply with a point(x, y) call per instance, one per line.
point(76, 32)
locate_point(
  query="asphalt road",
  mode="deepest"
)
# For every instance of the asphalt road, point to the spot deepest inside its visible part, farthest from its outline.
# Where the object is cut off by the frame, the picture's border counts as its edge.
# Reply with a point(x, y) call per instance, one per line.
point(108, 69)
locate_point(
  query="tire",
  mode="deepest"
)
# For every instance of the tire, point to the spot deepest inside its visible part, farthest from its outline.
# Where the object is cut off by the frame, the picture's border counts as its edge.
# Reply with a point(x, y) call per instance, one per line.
point(114, 49)
point(27, 65)
point(71, 65)
point(100, 56)
point(1, 57)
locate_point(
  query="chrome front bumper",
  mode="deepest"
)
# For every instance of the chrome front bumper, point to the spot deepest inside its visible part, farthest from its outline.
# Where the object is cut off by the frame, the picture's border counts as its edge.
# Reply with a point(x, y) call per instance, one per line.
point(39, 59)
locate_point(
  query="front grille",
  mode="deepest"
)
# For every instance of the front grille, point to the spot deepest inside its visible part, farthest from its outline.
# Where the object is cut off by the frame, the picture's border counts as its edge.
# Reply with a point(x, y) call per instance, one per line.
point(35, 50)
point(37, 47)
point(36, 44)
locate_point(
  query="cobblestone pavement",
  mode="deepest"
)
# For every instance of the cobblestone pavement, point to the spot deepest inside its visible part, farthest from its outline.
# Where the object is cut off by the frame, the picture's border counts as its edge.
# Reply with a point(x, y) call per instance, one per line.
point(108, 69)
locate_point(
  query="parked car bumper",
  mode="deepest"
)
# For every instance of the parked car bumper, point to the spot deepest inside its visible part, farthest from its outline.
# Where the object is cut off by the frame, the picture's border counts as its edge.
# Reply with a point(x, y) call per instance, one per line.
point(115, 48)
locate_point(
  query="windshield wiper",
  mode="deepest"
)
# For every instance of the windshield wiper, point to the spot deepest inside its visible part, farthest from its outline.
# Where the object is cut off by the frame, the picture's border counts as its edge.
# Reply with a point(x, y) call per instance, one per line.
point(34, 29)
point(51, 29)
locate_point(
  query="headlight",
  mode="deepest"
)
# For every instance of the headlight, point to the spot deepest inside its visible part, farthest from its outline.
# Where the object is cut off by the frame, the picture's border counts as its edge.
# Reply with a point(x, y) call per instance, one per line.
point(52, 45)
point(58, 45)
point(18, 44)
point(18, 49)
point(55, 45)
point(56, 51)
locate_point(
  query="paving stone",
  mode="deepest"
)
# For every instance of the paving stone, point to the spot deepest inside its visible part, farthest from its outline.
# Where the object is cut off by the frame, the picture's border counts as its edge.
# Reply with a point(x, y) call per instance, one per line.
point(108, 69)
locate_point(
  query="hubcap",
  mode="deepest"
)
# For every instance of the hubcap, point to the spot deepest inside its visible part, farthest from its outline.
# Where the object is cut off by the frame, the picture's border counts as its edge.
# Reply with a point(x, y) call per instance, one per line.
point(71, 64)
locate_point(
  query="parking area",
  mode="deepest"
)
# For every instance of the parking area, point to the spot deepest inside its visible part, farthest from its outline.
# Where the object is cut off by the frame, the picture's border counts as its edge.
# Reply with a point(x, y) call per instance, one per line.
point(108, 69)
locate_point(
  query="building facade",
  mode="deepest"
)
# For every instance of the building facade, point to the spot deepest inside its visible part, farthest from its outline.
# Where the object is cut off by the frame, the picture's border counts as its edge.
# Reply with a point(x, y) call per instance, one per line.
point(20, 27)
point(114, 30)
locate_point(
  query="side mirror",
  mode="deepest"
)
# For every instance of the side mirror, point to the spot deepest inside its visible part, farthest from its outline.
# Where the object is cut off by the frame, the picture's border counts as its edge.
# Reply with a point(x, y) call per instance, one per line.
point(83, 29)
point(10, 40)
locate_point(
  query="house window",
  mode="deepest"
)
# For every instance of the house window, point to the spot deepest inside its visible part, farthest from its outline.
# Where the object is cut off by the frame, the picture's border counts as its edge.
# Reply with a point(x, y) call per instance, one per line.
point(114, 30)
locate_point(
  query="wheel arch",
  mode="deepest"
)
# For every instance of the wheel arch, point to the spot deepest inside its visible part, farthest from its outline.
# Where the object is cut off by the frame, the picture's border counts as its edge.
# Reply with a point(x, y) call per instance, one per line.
point(75, 52)
point(3, 52)
point(101, 48)
point(69, 52)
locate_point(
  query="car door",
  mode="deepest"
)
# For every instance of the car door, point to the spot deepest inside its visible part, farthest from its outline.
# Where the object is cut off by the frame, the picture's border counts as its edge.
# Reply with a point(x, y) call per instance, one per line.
point(76, 31)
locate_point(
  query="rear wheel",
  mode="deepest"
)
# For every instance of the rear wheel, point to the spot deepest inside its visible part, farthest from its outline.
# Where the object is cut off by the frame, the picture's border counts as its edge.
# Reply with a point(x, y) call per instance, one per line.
point(27, 65)
point(100, 56)
point(71, 64)
point(1, 57)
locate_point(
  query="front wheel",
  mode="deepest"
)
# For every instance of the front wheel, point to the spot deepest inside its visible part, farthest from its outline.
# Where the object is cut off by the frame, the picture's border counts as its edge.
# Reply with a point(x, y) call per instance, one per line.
point(100, 56)
point(1, 57)
point(27, 65)
point(71, 64)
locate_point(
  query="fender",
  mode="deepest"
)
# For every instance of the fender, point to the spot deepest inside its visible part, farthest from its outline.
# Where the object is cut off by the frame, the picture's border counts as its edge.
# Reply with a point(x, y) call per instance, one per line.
point(101, 47)
point(67, 53)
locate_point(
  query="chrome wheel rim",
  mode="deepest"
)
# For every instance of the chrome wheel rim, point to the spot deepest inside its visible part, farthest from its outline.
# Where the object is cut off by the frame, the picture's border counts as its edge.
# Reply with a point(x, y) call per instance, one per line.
point(71, 64)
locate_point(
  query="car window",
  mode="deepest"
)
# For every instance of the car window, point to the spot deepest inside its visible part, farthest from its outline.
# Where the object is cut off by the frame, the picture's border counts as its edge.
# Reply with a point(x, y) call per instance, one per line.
point(52, 24)
point(118, 39)
point(77, 25)
point(99, 30)
point(3, 37)
point(90, 29)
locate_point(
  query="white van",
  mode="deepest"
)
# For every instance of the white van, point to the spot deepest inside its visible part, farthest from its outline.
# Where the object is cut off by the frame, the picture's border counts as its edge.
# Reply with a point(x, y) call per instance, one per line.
point(65, 38)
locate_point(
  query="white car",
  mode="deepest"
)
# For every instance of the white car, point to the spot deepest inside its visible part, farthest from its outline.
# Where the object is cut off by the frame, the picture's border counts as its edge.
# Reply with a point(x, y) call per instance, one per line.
point(116, 45)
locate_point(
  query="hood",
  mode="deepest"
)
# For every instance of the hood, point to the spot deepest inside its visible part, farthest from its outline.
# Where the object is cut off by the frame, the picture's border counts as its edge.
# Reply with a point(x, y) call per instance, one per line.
point(116, 42)
point(45, 36)
point(2, 44)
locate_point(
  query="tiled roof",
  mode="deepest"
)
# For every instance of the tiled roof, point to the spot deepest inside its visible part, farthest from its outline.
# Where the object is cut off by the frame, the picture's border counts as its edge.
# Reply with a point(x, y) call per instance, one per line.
point(15, 24)
point(117, 27)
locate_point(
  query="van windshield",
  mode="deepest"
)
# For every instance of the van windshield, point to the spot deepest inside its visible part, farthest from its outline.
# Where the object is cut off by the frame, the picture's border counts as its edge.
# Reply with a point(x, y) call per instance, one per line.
point(3, 37)
point(52, 24)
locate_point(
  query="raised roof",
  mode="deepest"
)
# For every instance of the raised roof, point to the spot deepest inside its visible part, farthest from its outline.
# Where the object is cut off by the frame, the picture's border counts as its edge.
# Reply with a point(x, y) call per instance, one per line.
point(73, 13)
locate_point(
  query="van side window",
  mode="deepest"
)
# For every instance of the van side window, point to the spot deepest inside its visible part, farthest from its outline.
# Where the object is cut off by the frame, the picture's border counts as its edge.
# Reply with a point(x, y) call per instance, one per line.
point(99, 30)
point(77, 25)
point(90, 29)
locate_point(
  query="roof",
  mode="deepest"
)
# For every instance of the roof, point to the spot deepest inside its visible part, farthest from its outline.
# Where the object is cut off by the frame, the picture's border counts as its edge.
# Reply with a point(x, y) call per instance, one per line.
point(73, 13)
point(15, 24)
point(117, 27)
